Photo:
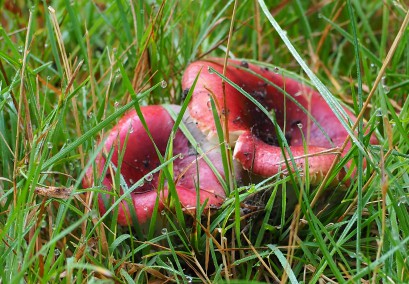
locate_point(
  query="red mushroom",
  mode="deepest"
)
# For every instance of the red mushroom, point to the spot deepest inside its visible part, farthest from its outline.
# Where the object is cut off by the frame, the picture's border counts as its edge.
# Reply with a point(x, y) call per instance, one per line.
point(252, 132)
point(140, 158)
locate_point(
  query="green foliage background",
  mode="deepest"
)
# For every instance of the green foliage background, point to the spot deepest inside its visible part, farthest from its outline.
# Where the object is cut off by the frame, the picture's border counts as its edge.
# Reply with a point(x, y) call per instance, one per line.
point(69, 70)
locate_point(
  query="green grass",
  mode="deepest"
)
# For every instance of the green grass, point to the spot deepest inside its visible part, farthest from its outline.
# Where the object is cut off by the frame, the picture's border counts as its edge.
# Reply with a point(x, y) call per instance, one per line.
point(67, 73)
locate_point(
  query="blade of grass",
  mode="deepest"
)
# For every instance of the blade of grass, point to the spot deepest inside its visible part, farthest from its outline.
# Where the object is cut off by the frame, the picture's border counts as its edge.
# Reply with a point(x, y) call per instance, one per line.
point(360, 165)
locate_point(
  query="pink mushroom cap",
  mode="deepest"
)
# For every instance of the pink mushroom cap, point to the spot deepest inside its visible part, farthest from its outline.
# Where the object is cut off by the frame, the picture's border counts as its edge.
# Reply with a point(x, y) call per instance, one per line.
point(252, 133)
point(140, 158)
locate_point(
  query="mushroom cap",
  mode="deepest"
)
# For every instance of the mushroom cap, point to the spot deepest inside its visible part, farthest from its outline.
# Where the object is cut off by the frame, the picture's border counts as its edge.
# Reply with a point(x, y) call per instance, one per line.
point(251, 131)
point(140, 158)
point(265, 160)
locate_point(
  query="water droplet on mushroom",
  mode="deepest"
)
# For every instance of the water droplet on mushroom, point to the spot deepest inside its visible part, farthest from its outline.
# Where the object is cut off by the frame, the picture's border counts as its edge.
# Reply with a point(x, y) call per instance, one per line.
point(49, 145)
point(237, 119)
point(164, 231)
point(149, 177)
point(244, 64)
point(260, 94)
point(209, 104)
point(276, 70)
point(210, 70)
point(163, 84)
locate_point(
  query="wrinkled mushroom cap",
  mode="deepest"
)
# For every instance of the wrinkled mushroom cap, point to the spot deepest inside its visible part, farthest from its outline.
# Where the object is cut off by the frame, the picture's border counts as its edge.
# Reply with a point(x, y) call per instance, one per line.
point(301, 113)
point(140, 157)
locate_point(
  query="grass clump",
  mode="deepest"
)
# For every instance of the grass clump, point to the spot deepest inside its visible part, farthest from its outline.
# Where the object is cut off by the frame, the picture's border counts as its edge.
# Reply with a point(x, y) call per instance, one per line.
point(70, 69)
